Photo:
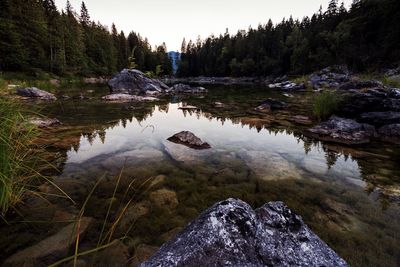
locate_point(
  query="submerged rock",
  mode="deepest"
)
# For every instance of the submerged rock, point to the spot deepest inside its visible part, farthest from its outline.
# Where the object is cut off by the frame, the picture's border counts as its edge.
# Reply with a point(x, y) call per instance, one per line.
point(340, 130)
point(133, 82)
point(181, 153)
point(188, 139)
point(53, 247)
point(164, 198)
point(186, 89)
point(231, 233)
point(390, 133)
point(34, 92)
point(270, 105)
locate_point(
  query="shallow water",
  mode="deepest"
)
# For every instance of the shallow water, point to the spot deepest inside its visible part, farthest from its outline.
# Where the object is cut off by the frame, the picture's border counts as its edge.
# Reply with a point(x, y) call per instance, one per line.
point(348, 196)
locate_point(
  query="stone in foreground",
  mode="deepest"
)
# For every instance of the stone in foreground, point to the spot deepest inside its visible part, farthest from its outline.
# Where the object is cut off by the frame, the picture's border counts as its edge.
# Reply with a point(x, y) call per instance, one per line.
point(44, 123)
point(188, 139)
point(340, 130)
point(127, 98)
point(52, 248)
point(134, 82)
point(187, 89)
point(34, 92)
point(231, 233)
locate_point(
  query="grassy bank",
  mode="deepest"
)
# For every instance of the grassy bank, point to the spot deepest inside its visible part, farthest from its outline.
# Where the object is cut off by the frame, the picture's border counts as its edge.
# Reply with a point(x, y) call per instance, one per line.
point(16, 158)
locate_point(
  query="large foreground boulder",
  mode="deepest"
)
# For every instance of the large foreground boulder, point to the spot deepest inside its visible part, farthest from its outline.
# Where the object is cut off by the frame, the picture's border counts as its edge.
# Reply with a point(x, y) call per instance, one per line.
point(340, 130)
point(231, 233)
point(33, 92)
point(134, 82)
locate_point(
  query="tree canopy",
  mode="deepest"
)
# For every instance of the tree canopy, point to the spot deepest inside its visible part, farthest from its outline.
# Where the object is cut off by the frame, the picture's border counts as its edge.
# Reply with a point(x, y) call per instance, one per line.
point(365, 37)
point(34, 34)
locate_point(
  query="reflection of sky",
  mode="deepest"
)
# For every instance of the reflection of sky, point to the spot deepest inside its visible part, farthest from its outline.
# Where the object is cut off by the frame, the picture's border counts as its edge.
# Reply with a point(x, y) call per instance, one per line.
point(154, 130)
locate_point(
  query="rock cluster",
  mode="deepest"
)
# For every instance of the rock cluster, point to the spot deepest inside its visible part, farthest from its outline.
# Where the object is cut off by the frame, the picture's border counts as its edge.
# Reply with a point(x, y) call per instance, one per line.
point(231, 233)
point(330, 77)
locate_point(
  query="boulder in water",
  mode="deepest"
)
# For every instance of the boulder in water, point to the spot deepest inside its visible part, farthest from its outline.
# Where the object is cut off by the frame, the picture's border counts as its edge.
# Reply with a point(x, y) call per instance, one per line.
point(188, 139)
point(134, 82)
point(340, 130)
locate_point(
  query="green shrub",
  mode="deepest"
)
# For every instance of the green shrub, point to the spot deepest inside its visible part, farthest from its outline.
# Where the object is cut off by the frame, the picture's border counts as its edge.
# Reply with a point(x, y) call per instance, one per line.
point(326, 104)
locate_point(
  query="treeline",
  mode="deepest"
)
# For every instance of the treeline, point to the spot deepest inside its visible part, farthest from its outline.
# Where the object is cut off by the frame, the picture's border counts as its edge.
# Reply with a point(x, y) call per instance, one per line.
point(365, 37)
point(34, 34)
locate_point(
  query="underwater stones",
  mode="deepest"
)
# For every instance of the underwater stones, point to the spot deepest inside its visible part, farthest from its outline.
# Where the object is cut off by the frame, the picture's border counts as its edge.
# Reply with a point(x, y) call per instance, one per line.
point(185, 154)
point(123, 158)
point(53, 247)
point(164, 198)
point(269, 166)
point(33, 92)
point(231, 233)
point(43, 123)
point(117, 254)
point(133, 82)
point(142, 253)
point(340, 130)
point(188, 139)
point(186, 89)
point(219, 104)
point(127, 98)
point(134, 213)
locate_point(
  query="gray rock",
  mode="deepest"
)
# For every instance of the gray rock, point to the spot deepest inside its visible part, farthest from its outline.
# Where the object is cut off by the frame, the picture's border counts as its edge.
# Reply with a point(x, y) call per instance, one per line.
point(287, 85)
point(231, 233)
point(186, 89)
point(390, 133)
point(340, 130)
point(42, 123)
point(133, 82)
point(380, 118)
point(34, 92)
point(189, 139)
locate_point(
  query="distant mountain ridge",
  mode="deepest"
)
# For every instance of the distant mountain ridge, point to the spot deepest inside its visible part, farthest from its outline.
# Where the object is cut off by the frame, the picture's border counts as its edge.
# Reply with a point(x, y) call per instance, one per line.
point(175, 58)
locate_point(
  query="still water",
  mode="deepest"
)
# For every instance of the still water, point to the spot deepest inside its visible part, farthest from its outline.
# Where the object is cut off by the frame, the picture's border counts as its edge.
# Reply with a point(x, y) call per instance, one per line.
point(348, 196)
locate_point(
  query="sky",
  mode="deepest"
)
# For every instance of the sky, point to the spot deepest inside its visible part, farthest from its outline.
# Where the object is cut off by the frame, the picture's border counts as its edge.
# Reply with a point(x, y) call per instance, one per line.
point(170, 21)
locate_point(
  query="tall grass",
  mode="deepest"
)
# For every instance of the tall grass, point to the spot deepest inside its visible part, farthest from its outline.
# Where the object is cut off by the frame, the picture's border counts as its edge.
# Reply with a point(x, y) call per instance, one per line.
point(16, 158)
point(326, 104)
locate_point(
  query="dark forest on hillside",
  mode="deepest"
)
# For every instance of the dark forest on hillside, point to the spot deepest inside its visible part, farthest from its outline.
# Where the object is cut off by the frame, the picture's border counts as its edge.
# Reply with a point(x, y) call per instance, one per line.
point(366, 37)
point(34, 34)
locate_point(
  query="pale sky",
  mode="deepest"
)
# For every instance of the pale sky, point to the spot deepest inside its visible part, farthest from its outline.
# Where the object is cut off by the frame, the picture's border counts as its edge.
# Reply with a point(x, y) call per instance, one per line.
point(170, 21)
